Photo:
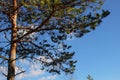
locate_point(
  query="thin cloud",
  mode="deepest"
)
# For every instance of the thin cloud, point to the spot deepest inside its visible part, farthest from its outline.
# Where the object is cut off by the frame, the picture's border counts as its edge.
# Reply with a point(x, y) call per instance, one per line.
point(49, 78)
point(32, 74)
point(33, 71)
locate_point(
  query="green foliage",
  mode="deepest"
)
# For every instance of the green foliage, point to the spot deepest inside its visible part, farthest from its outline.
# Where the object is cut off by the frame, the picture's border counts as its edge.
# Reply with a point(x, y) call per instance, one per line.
point(54, 19)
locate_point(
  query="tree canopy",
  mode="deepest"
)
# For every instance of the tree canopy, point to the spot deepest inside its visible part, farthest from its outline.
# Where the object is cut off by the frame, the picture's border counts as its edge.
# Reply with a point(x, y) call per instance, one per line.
point(43, 26)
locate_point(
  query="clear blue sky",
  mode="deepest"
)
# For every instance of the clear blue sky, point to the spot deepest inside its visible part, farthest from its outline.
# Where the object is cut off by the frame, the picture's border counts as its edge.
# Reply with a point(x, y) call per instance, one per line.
point(98, 52)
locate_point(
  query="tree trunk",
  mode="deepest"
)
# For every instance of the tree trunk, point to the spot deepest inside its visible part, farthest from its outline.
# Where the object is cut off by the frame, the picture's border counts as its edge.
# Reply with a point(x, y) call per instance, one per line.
point(13, 46)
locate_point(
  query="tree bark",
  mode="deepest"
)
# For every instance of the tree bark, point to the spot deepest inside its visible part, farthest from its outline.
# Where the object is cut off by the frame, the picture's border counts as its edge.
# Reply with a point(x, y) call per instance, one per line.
point(13, 46)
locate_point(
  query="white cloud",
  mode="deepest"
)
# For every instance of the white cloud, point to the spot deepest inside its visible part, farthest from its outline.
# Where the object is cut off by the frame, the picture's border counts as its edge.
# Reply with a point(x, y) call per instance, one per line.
point(24, 61)
point(33, 70)
point(20, 76)
point(49, 78)
point(31, 74)
point(34, 73)
point(3, 70)
point(2, 77)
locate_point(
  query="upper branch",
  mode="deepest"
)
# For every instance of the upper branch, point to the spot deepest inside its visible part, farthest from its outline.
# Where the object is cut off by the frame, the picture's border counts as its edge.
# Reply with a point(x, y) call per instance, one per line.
point(54, 9)
point(39, 27)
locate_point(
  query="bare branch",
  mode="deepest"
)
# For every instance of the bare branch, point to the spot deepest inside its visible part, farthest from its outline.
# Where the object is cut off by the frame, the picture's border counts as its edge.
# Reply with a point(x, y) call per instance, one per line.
point(15, 75)
point(3, 57)
point(6, 29)
point(20, 73)
point(4, 74)
point(26, 28)
point(6, 37)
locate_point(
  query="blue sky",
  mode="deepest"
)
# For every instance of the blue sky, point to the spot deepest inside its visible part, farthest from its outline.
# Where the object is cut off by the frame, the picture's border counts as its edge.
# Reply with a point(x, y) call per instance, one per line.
point(98, 52)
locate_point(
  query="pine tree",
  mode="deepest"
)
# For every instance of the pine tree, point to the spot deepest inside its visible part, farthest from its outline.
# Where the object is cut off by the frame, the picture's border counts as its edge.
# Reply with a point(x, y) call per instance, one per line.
point(24, 24)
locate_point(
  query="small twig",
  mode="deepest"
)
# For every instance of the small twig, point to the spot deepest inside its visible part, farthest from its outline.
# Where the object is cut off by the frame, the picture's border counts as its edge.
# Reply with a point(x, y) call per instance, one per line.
point(3, 57)
point(4, 74)
point(20, 73)
point(6, 37)
point(6, 29)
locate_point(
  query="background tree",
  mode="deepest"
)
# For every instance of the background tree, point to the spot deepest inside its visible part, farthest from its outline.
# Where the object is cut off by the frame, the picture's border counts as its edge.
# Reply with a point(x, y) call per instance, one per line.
point(36, 30)
point(89, 77)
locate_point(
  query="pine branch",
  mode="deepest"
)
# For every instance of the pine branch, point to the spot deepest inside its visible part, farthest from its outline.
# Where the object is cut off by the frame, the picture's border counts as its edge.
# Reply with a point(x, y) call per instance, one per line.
point(55, 8)
point(38, 28)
